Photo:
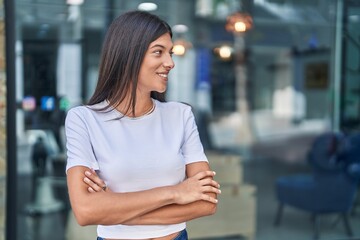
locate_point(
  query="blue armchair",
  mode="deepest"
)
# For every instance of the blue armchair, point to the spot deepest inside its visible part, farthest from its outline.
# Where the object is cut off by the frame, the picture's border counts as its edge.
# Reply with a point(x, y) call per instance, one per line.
point(332, 186)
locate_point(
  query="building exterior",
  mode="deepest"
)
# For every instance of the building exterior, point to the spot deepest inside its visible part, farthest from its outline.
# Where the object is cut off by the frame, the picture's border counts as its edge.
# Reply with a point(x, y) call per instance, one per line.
point(291, 73)
point(2, 124)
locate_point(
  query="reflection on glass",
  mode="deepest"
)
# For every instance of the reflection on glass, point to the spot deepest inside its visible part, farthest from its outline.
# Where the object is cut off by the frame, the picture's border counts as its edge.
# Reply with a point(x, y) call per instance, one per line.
point(287, 59)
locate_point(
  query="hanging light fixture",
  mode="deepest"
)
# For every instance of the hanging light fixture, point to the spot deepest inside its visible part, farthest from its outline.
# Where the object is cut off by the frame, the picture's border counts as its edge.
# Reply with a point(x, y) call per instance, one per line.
point(74, 2)
point(180, 45)
point(224, 52)
point(147, 6)
point(238, 22)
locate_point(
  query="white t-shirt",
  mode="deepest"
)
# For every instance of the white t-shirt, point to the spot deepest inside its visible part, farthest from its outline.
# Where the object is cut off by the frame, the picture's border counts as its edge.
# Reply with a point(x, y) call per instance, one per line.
point(134, 154)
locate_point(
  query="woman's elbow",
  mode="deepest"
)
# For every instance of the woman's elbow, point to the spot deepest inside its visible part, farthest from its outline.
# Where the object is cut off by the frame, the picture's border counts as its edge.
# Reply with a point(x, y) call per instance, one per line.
point(82, 221)
point(87, 215)
point(212, 209)
point(209, 209)
point(83, 216)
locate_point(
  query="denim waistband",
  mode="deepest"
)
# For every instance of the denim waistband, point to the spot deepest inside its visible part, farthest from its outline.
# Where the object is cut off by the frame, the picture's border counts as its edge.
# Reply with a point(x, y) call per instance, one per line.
point(181, 236)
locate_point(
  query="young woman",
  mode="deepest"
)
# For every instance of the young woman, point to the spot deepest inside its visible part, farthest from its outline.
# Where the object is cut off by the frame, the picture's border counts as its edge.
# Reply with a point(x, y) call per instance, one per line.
point(147, 151)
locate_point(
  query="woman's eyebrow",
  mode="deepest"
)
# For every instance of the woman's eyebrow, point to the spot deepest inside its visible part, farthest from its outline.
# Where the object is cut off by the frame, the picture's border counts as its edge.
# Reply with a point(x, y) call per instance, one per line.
point(161, 46)
point(157, 45)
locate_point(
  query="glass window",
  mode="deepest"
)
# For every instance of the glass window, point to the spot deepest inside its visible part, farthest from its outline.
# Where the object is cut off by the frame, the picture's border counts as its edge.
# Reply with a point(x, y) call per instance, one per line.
point(2, 123)
point(351, 68)
point(261, 78)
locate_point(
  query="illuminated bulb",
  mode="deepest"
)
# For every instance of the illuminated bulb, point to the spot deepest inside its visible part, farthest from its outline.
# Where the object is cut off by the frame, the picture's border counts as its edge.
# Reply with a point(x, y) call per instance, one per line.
point(147, 6)
point(75, 2)
point(225, 52)
point(240, 27)
point(238, 22)
point(179, 49)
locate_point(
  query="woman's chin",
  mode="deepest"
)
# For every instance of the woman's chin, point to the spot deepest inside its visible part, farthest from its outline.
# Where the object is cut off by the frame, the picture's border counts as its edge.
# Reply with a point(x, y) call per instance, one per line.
point(162, 90)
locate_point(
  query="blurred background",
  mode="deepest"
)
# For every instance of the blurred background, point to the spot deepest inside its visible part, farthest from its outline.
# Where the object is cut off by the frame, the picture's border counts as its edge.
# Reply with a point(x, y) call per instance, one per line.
point(274, 85)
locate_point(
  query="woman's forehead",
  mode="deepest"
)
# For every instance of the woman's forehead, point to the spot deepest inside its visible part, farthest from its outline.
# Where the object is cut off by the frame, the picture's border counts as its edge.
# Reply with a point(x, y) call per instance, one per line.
point(164, 41)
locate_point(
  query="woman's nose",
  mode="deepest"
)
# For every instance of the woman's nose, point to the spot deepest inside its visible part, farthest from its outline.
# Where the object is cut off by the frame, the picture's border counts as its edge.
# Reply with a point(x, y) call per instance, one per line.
point(169, 63)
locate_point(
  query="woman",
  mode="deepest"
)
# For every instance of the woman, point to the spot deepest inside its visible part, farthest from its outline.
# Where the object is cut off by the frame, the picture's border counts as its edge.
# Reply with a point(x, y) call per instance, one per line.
point(146, 150)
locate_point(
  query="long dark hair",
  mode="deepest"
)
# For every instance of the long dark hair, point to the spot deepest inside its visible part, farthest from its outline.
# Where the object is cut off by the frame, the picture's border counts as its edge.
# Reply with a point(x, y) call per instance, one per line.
point(124, 48)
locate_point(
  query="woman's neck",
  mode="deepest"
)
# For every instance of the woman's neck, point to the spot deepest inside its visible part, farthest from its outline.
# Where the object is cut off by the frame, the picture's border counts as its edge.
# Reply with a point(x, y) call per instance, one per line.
point(143, 106)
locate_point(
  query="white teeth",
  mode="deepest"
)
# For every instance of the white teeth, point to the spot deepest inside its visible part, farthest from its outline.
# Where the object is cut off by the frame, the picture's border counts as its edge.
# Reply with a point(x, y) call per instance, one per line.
point(163, 75)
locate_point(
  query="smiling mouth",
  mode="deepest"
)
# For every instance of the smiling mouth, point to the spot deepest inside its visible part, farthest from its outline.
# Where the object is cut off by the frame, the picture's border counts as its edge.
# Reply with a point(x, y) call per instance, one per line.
point(163, 75)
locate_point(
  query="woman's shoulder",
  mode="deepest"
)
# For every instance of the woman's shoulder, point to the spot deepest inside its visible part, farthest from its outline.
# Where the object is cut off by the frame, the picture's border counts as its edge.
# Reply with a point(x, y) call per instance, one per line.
point(86, 110)
point(173, 105)
point(77, 110)
point(177, 110)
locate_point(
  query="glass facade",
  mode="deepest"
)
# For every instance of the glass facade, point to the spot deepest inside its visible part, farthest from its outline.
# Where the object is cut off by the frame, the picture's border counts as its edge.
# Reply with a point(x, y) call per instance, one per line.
point(351, 62)
point(2, 122)
point(261, 91)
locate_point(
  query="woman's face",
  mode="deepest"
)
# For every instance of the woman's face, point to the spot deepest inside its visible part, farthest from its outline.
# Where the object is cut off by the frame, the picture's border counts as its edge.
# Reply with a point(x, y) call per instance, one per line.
point(156, 66)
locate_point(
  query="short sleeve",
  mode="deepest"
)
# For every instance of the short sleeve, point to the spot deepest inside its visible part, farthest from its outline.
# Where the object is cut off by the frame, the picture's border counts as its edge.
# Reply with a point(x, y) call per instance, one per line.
point(192, 147)
point(78, 144)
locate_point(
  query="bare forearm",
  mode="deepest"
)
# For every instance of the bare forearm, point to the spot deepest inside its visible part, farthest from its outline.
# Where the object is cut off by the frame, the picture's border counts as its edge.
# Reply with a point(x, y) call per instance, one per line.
point(112, 208)
point(108, 208)
point(174, 213)
point(117, 208)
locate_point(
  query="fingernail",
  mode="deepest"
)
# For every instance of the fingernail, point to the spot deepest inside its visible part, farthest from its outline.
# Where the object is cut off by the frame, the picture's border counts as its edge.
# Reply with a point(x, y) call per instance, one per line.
point(87, 173)
point(86, 179)
point(219, 191)
point(214, 172)
point(216, 200)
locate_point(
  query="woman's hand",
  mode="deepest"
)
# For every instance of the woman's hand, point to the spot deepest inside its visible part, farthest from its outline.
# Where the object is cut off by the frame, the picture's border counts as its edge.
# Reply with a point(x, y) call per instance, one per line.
point(191, 190)
point(195, 188)
point(95, 183)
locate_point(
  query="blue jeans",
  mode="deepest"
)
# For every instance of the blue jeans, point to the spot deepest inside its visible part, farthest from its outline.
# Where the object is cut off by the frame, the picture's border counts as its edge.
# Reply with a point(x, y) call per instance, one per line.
point(181, 236)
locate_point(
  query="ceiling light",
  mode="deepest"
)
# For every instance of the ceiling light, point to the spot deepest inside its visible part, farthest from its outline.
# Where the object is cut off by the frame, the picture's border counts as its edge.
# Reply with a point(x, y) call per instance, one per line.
point(181, 46)
point(240, 27)
point(180, 28)
point(74, 2)
point(179, 50)
point(147, 6)
point(224, 52)
point(239, 22)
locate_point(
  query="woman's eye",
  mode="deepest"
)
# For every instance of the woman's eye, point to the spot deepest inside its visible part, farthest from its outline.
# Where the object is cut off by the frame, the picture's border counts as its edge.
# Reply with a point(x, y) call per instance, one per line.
point(158, 52)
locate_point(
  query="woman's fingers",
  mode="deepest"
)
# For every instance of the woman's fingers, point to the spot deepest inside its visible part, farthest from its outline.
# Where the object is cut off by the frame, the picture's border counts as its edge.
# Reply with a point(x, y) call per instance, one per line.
point(210, 182)
point(94, 186)
point(94, 181)
point(197, 188)
point(210, 189)
point(204, 174)
point(209, 198)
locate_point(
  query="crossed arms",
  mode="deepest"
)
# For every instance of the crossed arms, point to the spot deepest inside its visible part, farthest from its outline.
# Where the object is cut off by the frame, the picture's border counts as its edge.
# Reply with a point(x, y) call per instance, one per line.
point(193, 198)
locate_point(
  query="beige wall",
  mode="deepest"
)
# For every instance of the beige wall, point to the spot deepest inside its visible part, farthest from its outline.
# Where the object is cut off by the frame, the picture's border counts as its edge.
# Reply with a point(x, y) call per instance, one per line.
point(2, 124)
